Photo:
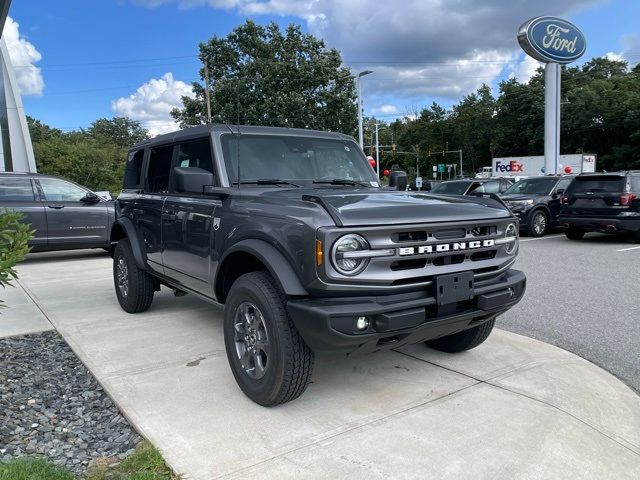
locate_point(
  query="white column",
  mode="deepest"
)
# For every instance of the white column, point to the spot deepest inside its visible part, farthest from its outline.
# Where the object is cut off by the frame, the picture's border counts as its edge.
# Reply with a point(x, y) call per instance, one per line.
point(551, 117)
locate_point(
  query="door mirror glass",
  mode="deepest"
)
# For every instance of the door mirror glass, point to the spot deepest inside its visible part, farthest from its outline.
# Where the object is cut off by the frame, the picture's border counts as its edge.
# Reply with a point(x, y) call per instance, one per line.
point(90, 197)
point(191, 179)
point(560, 191)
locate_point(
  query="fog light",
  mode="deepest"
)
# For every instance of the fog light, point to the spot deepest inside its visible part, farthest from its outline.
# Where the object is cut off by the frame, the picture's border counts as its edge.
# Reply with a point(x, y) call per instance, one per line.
point(362, 323)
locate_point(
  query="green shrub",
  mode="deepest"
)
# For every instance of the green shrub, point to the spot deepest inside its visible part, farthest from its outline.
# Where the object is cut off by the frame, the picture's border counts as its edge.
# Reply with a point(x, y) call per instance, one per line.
point(14, 238)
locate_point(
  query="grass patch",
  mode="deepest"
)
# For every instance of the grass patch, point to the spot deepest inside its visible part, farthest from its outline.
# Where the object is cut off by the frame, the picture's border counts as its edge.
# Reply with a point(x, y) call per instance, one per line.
point(32, 469)
point(145, 464)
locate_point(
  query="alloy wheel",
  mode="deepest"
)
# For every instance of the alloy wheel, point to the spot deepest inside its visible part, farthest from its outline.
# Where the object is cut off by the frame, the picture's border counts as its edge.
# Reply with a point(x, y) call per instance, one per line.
point(251, 340)
point(123, 277)
point(539, 223)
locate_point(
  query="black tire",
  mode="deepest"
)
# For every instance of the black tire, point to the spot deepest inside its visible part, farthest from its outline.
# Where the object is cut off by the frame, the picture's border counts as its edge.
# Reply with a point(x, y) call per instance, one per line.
point(269, 359)
point(134, 286)
point(574, 233)
point(461, 341)
point(538, 223)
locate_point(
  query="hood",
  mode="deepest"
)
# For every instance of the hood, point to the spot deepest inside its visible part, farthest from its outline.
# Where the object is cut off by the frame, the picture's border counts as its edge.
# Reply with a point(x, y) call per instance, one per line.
point(519, 196)
point(364, 207)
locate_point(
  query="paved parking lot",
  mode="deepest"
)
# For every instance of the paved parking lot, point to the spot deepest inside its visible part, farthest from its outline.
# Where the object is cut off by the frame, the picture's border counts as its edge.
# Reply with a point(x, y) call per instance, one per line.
point(512, 408)
point(583, 296)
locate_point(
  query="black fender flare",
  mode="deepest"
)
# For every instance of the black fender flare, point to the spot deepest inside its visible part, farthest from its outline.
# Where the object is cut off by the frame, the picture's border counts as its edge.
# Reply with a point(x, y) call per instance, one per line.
point(130, 232)
point(278, 266)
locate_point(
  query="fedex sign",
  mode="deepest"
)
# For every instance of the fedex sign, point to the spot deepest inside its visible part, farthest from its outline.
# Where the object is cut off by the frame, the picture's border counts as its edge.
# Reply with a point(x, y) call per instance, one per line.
point(511, 167)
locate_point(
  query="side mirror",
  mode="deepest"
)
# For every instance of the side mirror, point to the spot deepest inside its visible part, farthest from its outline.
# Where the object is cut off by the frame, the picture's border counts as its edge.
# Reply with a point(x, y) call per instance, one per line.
point(560, 191)
point(398, 180)
point(90, 197)
point(191, 179)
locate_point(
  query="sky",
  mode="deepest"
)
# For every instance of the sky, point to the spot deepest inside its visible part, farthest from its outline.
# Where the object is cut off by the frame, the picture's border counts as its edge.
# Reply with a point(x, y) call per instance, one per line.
point(80, 60)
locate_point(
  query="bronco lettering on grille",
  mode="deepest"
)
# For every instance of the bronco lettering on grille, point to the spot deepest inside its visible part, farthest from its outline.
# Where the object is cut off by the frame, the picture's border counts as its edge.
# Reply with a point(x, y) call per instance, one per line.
point(445, 247)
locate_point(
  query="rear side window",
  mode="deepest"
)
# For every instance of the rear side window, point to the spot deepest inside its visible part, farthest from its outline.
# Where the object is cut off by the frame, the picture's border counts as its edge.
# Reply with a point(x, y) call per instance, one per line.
point(159, 169)
point(635, 183)
point(489, 187)
point(15, 190)
point(598, 184)
point(133, 170)
point(195, 154)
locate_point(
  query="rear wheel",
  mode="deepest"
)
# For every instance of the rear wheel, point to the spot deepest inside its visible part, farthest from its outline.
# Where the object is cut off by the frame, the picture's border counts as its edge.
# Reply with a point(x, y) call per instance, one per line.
point(538, 224)
point(134, 286)
point(269, 359)
point(466, 340)
point(574, 233)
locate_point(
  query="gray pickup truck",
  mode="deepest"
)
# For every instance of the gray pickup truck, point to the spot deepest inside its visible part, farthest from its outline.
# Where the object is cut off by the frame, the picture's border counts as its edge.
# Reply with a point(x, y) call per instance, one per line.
point(291, 231)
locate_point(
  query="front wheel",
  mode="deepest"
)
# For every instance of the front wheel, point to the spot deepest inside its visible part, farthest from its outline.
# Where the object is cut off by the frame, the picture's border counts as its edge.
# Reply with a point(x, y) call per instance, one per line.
point(465, 340)
point(574, 233)
point(134, 286)
point(538, 224)
point(269, 359)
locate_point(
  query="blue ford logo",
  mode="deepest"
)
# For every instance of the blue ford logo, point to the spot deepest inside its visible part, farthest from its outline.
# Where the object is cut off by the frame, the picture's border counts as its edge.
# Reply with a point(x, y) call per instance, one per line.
point(551, 39)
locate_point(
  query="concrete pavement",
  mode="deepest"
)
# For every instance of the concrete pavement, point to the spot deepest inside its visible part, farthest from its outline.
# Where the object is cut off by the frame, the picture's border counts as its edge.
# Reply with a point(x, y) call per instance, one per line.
point(512, 408)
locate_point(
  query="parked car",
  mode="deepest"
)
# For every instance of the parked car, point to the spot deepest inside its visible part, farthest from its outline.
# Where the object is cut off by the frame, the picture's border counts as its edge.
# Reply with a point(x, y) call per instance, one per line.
point(427, 186)
point(466, 187)
point(64, 215)
point(290, 230)
point(536, 202)
point(604, 202)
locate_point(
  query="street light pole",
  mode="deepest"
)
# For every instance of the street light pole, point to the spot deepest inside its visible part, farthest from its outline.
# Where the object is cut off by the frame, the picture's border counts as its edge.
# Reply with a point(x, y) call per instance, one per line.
point(377, 153)
point(358, 77)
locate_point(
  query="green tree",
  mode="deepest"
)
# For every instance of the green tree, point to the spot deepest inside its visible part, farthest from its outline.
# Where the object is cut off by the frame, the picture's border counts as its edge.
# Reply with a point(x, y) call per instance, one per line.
point(120, 131)
point(260, 75)
point(14, 237)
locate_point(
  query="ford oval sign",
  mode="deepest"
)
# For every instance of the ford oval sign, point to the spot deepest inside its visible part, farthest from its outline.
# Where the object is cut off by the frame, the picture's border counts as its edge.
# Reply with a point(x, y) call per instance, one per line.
point(551, 39)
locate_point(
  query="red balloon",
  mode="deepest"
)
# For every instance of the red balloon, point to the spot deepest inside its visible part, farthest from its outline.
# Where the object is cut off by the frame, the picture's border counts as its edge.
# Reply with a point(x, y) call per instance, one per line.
point(567, 169)
point(385, 173)
point(372, 162)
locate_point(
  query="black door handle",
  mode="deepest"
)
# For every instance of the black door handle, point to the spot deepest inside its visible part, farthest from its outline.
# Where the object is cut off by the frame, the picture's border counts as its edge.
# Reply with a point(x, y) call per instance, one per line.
point(137, 211)
point(57, 207)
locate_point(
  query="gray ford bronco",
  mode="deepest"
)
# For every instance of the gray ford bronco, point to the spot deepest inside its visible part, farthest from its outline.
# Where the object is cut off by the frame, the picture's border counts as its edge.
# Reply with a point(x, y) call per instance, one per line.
point(291, 231)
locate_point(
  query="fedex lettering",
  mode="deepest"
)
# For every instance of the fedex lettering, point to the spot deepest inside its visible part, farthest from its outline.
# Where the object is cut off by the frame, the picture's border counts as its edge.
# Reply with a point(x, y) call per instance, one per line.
point(512, 166)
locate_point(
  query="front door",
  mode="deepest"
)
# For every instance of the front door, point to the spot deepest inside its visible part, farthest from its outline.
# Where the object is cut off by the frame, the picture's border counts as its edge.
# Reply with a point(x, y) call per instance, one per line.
point(72, 222)
point(188, 223)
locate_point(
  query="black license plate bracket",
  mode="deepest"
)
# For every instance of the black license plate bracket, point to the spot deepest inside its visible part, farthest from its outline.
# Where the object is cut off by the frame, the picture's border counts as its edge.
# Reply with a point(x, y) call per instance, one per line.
point(455, 287)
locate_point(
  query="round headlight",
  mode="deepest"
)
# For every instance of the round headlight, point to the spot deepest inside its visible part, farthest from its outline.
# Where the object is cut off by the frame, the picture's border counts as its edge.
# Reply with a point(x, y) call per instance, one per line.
point(511, 235)
point(344, 254)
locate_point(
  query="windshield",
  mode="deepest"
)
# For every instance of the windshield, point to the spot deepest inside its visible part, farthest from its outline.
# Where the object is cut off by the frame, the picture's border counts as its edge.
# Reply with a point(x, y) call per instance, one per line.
point(294, 159)
point(532, 186)
point(451, 188)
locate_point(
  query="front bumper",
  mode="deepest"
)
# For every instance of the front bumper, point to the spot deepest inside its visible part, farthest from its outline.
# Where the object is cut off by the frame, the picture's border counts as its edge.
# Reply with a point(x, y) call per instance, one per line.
point(602, 224)
point(328, 325)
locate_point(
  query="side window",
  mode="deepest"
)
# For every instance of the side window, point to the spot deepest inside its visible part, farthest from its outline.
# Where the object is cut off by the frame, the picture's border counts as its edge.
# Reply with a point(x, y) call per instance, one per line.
point(489, 187)
point(195, 154)
point(15, 190)
point(56, 190)
point(635, 184)
point(159, 169)
point(563, 184)
point(133, 170)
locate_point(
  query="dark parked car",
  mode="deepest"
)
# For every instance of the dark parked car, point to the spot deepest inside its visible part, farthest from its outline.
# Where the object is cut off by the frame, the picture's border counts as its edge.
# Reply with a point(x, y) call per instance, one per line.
point(427, 186)
point(475, 185)
point(536, 201)
point(64, 215)
point(291, 231)
point(605, 202)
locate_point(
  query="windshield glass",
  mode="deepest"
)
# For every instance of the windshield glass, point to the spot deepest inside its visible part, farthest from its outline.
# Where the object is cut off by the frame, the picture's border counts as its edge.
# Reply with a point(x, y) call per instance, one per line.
point(451, 188)
point(532, 186)
point(294, 159)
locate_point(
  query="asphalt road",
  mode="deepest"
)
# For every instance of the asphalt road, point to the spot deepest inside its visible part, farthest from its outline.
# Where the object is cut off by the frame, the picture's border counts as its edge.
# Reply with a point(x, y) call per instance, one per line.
point(583, 296)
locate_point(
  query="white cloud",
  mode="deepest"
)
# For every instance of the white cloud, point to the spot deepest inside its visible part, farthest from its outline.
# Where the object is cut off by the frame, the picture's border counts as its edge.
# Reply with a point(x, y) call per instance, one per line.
point(617, 57)
point(630, 48)
point(386, 109)
point(415, 47)
point(23, 57)
point(152, 103)
point(524, 68)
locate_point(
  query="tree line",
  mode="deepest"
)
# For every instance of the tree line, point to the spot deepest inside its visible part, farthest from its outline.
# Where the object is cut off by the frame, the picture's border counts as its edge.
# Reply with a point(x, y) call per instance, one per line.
point(262, 75)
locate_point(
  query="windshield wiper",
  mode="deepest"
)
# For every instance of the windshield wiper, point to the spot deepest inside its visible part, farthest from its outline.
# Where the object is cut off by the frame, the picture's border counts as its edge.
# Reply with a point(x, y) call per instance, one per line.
point(342, 181)
point(267, 181)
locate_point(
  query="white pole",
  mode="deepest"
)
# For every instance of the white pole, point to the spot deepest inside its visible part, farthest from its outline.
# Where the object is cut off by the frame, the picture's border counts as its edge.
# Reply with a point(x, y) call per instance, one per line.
point(377, 152)
point(460, 162)
point(551, 117)
point(360, 137)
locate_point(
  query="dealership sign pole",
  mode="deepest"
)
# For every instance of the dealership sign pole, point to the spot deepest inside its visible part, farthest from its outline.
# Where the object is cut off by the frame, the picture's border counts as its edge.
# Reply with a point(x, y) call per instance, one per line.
point(555, 42)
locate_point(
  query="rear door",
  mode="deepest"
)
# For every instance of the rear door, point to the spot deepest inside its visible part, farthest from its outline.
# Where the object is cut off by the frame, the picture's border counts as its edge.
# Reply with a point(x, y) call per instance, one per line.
point(18, 194)
point(554, 201)
point(72, 222)
point(597, 195)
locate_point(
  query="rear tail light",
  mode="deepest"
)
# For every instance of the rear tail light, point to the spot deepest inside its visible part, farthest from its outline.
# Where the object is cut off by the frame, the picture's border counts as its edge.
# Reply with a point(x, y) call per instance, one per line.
point(627, 198)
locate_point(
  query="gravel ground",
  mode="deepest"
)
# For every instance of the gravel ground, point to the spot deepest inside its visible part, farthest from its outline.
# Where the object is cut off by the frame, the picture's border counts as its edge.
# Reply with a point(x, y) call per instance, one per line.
point(52, 406)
